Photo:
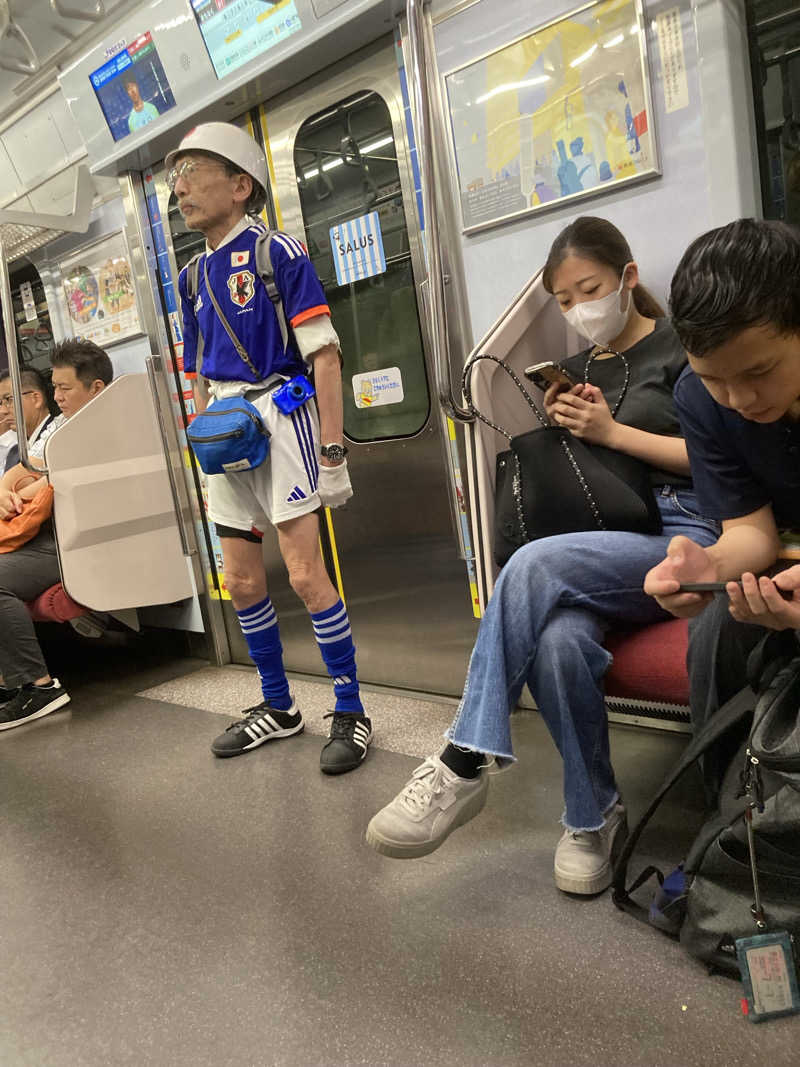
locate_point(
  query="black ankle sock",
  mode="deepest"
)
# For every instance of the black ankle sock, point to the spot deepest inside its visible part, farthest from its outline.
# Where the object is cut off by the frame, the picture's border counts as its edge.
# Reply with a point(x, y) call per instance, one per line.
point(462, 762)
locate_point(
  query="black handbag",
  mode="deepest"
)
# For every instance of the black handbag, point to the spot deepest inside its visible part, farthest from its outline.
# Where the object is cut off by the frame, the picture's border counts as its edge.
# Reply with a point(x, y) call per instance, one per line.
point(549, 482)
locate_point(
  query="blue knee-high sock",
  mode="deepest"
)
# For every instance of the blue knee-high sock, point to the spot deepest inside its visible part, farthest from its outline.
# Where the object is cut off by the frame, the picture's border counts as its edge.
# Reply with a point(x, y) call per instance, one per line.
point(332, 631)
point(260, 628)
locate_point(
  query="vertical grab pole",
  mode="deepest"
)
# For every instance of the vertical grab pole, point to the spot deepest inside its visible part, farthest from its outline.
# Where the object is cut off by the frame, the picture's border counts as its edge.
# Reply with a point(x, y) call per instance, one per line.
point(14, 372)
point(435, 305)
point(438, 323)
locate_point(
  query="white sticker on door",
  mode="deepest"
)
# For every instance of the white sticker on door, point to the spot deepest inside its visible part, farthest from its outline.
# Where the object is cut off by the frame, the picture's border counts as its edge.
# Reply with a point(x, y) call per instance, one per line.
point(378, 387)
point(357, 247)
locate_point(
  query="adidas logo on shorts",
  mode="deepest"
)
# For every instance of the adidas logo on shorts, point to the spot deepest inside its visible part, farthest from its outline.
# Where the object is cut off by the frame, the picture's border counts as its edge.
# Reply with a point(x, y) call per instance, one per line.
point(296, 494)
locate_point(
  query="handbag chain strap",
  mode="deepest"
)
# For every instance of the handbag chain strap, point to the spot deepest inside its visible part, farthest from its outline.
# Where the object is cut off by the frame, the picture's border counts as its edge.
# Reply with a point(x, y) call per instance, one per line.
point(465, 385)
point(625, 364)
point(516, 483)
point(241, 351)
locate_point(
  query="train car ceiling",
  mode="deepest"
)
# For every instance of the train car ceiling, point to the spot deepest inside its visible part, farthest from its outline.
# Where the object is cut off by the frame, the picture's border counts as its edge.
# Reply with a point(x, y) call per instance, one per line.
point(134, 91)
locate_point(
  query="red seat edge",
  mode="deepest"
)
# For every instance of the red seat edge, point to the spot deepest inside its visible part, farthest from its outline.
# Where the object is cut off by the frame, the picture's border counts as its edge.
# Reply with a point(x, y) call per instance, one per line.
point(55, 605)
point(650, 662)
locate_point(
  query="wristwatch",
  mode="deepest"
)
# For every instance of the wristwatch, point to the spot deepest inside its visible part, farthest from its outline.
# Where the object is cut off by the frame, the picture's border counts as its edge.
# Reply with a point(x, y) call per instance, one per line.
point(335, 453)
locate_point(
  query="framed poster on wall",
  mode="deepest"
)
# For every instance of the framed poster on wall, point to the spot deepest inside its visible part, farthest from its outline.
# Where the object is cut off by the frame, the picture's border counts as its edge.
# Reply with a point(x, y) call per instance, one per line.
point(99, 291)
point(562, 113)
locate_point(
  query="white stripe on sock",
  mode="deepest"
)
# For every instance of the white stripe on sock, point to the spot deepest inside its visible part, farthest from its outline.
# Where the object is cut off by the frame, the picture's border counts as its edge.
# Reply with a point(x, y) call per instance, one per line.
point(257, 617)
point(333, 640)
point(332, 619)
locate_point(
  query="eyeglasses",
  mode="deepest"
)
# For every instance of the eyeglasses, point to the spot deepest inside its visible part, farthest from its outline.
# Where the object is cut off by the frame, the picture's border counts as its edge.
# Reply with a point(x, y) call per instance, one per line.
point(186, 170)
point(8, 401)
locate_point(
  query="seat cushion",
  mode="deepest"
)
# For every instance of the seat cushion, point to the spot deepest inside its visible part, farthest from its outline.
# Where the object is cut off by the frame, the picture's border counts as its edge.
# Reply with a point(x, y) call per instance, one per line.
point(55, 605)
point(650, 662)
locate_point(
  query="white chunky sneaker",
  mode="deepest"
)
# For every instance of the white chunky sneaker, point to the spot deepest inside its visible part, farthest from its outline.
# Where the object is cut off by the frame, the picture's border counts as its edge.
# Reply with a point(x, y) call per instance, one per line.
point(585, 858)
point(426, 811)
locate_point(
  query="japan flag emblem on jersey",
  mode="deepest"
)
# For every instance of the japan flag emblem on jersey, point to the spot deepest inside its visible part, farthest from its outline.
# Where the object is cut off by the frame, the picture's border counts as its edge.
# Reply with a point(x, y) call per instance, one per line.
point(242, 287)
point(240, 259)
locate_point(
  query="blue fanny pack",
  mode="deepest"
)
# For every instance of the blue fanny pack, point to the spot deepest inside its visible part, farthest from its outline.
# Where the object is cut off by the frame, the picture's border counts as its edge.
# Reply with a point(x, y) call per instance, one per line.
point(229, 436)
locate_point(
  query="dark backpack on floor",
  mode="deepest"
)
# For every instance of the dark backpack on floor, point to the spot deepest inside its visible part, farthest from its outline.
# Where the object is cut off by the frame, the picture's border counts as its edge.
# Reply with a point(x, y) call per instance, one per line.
point(707, 902)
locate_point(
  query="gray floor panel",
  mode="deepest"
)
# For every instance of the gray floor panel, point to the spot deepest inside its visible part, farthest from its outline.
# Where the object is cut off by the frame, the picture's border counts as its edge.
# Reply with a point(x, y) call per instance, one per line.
point(166, 908)
point(402, 723)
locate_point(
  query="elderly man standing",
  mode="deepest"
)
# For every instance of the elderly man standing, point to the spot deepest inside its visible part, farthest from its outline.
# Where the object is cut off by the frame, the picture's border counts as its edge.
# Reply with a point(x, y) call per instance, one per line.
point(255, 312)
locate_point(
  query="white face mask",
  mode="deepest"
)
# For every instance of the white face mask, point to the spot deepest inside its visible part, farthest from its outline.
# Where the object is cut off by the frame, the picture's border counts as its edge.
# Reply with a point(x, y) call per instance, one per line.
point(601, 320)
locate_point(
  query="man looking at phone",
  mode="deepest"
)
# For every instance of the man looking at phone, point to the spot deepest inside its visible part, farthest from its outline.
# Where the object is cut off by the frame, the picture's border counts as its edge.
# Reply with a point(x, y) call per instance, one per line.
point(735, 307)
point(219, 176)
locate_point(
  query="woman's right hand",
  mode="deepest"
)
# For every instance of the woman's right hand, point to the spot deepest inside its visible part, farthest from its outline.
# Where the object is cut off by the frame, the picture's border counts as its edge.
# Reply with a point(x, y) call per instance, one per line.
point(10, 504)
point(552, 394)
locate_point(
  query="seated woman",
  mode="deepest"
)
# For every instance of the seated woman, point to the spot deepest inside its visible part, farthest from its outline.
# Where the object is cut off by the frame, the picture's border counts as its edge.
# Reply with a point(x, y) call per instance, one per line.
point(555, 598)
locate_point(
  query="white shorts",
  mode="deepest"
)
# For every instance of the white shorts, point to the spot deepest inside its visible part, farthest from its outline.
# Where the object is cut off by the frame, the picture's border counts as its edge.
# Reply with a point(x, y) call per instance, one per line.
point(285, 485)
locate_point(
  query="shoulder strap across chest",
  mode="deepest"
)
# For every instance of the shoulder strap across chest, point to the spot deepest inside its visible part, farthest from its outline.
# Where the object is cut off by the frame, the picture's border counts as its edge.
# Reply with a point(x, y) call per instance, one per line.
point(265, 272)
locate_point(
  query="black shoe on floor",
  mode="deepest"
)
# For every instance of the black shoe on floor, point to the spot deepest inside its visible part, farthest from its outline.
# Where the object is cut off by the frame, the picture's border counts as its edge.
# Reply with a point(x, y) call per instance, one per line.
point(257, 725)
point(32, 702)
point(6, 695)
point(347, 743)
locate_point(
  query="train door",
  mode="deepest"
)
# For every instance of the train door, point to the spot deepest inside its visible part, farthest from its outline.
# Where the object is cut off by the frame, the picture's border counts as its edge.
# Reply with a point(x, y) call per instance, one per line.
point(342, 181)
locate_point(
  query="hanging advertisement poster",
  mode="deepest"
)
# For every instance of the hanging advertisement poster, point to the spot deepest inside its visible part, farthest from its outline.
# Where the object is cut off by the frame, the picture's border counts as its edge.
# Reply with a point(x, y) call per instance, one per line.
point(562, 113)
point(99, 291)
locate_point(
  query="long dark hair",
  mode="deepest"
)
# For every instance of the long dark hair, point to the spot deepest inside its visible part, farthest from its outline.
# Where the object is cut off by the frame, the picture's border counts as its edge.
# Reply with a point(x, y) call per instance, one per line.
point(600, 240)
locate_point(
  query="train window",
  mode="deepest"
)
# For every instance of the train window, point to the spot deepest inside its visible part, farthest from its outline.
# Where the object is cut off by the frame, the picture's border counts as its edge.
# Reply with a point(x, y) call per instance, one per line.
point(31, 319)
point(774, 37)
point(347, 173)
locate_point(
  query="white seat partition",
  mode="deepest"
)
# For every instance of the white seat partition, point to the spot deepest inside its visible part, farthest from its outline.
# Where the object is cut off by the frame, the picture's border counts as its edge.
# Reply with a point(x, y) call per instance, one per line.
point(114, 512)
point(531, 330)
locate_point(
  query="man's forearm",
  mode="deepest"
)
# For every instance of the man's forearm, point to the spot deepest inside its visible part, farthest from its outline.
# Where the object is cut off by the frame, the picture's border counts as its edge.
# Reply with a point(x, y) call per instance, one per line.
point(200, 395)
point(743, 549)
point(328, 386)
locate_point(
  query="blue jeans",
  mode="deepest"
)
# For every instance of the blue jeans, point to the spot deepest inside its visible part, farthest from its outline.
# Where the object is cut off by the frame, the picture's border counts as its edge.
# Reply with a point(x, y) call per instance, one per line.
point(545, 625)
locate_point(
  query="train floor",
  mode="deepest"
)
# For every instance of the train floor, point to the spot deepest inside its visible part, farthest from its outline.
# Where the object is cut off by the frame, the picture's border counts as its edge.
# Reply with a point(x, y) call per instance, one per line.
point(166, 908)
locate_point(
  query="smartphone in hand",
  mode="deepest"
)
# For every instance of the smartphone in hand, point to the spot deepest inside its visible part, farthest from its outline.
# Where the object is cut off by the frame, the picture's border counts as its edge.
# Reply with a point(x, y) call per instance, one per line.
point(720, 587)
point(543, 375)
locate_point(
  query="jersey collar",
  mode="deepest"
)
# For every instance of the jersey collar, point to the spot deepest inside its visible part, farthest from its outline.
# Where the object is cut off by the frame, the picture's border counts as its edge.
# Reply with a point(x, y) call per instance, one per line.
point(231, 235)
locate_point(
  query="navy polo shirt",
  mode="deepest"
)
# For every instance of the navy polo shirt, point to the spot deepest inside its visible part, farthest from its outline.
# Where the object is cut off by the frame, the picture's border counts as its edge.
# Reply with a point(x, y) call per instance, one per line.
point(738, 466)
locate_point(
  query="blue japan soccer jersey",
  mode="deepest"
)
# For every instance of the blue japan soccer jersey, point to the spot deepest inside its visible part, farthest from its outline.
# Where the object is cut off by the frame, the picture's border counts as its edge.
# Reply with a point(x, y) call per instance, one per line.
point(242, 295)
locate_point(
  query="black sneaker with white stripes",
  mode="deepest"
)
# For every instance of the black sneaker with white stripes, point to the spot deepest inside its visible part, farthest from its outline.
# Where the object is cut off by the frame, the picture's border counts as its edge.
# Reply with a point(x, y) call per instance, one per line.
point(32, 702)
point(347, 743)
point(257, 725)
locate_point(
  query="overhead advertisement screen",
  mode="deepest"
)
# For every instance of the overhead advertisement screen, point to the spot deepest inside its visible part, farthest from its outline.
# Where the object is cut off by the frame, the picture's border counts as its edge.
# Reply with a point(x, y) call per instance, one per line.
point(132, 88)
point(235, 31)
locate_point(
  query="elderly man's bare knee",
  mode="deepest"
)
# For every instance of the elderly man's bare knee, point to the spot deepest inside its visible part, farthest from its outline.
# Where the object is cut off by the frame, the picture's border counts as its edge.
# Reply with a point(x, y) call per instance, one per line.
point(246, 588)
point(311, 583)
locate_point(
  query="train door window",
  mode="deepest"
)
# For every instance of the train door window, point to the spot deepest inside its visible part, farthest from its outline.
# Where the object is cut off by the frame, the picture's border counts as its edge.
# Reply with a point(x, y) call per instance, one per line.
point(31, 319)
point(774, 38)
point(350, 194)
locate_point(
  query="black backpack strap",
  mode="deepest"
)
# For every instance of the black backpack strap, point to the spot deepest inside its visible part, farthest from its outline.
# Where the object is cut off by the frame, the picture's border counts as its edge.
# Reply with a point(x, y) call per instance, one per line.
point(192, 269)
point(192, 275)
point(736, 709)
point(266, 273)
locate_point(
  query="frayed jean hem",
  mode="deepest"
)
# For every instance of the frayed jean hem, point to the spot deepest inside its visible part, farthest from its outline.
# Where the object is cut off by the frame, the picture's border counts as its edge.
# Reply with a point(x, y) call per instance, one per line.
point(589, 829)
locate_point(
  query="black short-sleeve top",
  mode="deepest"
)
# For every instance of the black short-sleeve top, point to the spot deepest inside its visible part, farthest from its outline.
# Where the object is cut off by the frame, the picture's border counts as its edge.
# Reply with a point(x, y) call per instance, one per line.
point(656, 362)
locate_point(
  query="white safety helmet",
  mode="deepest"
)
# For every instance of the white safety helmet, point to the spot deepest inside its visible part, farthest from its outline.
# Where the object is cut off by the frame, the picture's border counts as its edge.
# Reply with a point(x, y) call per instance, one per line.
point(226, 140)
